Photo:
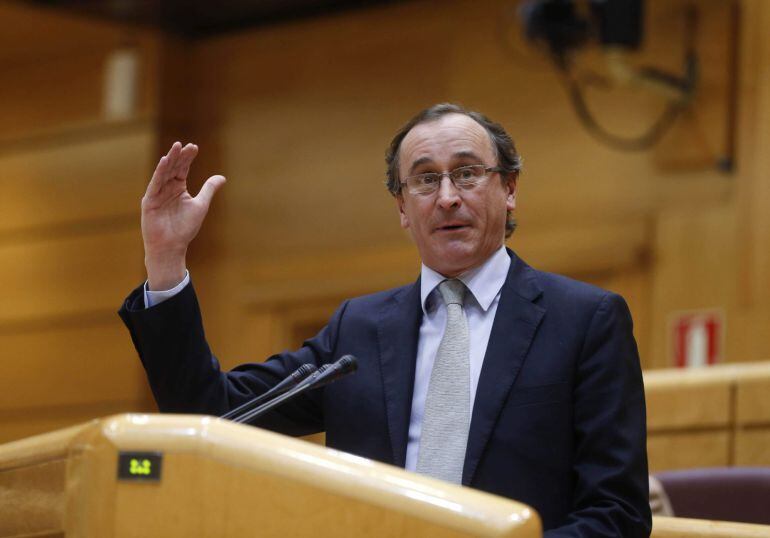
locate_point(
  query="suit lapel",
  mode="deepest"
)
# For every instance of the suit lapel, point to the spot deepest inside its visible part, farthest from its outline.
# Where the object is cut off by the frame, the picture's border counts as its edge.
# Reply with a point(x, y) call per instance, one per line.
point(516, 322)
point(398, 331)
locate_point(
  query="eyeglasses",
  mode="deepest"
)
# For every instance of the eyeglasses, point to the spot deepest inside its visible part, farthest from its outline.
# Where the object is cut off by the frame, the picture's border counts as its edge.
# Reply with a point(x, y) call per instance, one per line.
point(463, 178)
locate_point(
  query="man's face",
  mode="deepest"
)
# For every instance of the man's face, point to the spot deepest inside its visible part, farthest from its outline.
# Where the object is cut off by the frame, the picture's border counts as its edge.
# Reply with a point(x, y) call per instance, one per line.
point(454, 230)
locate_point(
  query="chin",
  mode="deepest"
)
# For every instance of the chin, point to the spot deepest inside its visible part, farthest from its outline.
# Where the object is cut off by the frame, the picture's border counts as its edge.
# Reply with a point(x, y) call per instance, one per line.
point(453, 263)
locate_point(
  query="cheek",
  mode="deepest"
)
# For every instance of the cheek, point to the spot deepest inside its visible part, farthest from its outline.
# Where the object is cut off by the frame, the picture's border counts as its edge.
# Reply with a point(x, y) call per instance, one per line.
point(495, 211)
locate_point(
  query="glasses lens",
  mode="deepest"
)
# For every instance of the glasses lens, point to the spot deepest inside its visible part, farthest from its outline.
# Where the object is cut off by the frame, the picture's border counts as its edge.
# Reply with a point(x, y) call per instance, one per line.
point(423, 183)
point(468, 176)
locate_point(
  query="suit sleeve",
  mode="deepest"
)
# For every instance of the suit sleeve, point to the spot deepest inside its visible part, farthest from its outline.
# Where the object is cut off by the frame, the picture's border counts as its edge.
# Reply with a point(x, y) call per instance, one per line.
point(610, 460)
point(185, 377)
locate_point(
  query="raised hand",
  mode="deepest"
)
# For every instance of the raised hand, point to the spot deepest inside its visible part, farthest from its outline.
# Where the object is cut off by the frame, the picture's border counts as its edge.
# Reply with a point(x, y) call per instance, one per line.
point(171, 217)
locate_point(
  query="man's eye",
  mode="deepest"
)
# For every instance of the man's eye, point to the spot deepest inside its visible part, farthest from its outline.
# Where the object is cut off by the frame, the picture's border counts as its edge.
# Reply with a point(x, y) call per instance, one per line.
point(467, 173)
point(428, 179)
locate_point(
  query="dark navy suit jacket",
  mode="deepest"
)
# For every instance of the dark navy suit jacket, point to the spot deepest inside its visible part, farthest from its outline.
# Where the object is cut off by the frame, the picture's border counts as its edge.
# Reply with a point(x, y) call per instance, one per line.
point(559, 417)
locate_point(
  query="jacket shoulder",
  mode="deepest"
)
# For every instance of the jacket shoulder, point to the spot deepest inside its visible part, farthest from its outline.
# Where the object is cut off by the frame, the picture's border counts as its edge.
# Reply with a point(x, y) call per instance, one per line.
point(565, 287)
point(564, 293)
point(376, 299)
point(551, 288)
point(575, 302)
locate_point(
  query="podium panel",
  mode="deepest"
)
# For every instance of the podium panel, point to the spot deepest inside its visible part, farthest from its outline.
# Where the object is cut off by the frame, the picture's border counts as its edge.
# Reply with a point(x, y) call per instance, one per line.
point(680, 527)
point(183, 475)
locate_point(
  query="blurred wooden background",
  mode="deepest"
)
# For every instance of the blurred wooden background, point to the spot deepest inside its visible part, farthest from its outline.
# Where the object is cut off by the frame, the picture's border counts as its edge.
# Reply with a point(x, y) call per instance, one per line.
point(297, 116)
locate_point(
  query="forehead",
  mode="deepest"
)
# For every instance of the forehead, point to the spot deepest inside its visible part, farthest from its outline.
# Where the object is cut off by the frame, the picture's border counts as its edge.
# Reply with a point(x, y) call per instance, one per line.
point(441, 140)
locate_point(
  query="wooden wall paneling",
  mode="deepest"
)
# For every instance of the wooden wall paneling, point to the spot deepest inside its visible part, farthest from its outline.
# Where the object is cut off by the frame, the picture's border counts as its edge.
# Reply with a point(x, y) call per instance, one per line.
point(703, 134)
point(34, 103)
point(33, 33)
point(683, 450)
point(56, 94)
point(752, 442)
point(689, 418)
point(670, 407)
point(22, 423)
point(283, 326)
point(69, 186)
point(709, 416)
point(585, 248)
point(318, 278)
point(78, 362)
point(753, 398)
point(752, 186)
point(63, 277)
point(70, 246)
point(682, 527)
point(752, 447)
point(695, 263)
point(306, 319)
point(262, 338)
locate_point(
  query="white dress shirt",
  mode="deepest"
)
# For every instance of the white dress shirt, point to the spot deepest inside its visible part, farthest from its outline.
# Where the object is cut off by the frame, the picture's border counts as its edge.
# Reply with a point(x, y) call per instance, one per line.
point(151, 298)
point(484, 284)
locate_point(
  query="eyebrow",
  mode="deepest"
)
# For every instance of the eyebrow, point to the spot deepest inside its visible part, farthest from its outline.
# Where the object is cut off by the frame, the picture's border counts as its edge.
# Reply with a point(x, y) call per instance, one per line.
point(458, 155)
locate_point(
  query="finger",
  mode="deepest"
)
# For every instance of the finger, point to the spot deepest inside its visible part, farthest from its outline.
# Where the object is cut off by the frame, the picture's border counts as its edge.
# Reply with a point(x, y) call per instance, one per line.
point(183, 162)
point(162, 170)
point(175, 147)
point(189, 152)
point(210, 188)
point(173, 158)
point(158, 177)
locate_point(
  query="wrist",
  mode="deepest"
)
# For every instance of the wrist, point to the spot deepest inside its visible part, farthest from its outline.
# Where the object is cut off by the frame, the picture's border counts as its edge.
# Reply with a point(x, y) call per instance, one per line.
point(165, 271)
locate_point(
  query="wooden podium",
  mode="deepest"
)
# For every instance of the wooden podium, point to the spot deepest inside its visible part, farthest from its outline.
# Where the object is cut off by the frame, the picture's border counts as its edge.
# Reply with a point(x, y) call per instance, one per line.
point(183, 475)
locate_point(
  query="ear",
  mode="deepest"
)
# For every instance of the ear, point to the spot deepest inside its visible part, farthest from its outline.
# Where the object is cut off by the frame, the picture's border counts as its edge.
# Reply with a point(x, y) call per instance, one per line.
point(510, 199)
point(402, 215)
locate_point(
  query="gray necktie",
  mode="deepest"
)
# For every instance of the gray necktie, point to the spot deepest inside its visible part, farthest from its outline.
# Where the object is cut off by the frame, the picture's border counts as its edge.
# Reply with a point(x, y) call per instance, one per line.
point(446, 419)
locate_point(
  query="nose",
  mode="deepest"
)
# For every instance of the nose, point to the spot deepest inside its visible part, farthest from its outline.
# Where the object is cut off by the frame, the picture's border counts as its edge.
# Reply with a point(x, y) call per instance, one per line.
point(448, 195)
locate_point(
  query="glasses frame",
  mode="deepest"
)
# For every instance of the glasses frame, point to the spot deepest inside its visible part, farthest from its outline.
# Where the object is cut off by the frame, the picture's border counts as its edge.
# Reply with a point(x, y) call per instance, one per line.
point(488, 170)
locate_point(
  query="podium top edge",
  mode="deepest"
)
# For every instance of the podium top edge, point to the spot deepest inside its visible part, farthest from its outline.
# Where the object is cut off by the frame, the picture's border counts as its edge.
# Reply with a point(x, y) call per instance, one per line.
point(267, 452)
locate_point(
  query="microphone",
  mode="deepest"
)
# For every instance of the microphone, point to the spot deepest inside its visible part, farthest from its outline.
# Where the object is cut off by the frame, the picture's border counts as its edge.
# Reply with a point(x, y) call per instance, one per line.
point(251, 414)
point(287, 384)
point(326, 374)
point(347, 364)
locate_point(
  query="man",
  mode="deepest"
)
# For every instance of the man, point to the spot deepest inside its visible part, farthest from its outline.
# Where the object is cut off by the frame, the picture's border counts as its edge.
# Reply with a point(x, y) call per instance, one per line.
point(484, 372)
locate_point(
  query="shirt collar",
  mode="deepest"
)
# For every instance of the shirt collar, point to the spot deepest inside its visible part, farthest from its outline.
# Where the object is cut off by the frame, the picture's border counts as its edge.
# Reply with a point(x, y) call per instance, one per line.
point(484, 282)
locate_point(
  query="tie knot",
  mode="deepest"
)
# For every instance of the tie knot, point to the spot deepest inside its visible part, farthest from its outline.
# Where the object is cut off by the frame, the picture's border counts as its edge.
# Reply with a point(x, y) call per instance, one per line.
point(452, 291)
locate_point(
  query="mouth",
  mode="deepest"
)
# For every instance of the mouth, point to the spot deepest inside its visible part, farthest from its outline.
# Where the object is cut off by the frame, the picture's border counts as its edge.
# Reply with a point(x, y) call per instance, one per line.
point(451, 227)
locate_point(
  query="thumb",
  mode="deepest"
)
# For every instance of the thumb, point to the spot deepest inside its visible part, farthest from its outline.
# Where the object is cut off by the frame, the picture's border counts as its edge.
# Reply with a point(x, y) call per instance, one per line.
point(210, 188)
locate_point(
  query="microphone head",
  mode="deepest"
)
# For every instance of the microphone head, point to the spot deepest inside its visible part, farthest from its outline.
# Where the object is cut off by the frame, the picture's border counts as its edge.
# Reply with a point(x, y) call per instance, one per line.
point(332, 372)
point(347, 364)
point(303, 371)
point(321, 370)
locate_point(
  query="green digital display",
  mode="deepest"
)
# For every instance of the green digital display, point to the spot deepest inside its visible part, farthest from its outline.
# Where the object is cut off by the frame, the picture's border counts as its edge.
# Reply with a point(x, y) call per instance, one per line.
point(140, 466)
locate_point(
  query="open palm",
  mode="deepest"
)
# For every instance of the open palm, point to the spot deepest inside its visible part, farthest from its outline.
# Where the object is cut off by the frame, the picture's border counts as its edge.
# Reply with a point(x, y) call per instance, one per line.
point(171, 217)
